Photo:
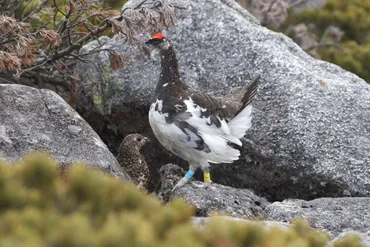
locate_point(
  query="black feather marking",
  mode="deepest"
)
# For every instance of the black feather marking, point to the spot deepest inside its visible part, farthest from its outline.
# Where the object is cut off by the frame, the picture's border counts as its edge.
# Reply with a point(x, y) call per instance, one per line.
point(186, 128)
point(215, 120)
point(169, 120)
point(249, 93)
point(183, 116)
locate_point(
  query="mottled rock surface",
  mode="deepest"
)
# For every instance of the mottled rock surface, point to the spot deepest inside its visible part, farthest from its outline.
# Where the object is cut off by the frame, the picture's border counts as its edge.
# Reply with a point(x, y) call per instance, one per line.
point(310, 135)
point(40, 120)
point(241, 203)
point(333, 215)
point(170, 174)
point(201, 222)
point(301, 5)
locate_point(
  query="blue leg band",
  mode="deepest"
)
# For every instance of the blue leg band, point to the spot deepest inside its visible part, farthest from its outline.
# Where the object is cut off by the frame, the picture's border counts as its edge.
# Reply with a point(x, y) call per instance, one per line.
point(189, 174)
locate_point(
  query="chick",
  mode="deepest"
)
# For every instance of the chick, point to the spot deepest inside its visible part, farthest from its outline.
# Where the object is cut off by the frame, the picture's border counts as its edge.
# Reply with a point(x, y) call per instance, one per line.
point(130, 158)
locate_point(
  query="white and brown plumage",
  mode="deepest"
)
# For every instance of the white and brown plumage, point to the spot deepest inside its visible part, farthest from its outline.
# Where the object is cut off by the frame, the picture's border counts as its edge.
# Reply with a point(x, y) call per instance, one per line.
point(130, 158)
point(194, 125)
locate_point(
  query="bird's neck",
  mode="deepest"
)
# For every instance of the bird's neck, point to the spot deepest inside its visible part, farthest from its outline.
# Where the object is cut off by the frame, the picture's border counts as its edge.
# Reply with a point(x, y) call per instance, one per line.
point(125, 150)
point(170, 75)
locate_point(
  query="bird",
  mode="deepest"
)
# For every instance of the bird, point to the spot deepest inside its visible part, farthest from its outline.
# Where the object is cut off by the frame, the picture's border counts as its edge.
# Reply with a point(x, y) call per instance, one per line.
point(194, 125)
point(132, 161)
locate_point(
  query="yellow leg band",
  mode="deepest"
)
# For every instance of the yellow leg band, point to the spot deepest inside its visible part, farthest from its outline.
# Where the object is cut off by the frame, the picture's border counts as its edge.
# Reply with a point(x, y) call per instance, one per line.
point(207, 177)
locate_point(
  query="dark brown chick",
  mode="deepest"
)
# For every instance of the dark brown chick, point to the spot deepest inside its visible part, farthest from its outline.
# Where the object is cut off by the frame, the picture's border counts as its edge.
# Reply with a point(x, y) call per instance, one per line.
point(130, 158)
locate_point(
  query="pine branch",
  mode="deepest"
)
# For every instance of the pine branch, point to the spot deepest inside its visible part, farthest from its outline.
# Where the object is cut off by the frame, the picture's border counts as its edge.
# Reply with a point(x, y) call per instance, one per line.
point(76, 28)
point(34, 11)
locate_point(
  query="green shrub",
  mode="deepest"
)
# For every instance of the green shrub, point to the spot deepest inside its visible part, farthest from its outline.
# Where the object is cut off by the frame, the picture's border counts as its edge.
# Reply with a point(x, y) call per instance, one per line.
point(86, 208)
point(351, 16)
point(352, 51)
point(114, 4)
point(41, 40)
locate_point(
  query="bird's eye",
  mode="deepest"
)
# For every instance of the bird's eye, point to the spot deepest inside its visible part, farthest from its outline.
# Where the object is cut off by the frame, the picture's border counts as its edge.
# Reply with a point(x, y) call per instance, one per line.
point(139, 138)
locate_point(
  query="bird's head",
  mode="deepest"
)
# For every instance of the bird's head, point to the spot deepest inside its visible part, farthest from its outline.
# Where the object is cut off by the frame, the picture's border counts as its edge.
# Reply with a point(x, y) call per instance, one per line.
point(159, 41)
point(135, 140)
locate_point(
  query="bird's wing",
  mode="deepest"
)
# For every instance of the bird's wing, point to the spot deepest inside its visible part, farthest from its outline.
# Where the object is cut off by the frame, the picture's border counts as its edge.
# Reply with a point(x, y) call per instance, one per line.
point(207, 114)
point(195, 122)
point(183, 138)
point(168, 123)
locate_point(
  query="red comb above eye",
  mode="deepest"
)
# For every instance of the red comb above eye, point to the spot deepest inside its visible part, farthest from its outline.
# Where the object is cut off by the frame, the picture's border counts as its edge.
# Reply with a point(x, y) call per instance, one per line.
point(158, 36)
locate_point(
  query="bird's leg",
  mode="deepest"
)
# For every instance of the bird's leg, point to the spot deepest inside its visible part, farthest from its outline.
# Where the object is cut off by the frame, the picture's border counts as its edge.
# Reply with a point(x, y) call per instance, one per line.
point(206, 178)
point(185, 179)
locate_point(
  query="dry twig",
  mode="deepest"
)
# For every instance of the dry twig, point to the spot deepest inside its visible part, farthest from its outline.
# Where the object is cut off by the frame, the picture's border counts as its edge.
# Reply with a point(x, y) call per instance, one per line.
point(45, 50)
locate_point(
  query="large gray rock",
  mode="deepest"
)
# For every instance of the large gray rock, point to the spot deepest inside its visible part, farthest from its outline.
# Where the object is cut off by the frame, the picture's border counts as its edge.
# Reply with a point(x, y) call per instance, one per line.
point(333, 215)
point(216, 198)
point(40, 120)
point(201, 222)
point(310, 135)
point(301, 5)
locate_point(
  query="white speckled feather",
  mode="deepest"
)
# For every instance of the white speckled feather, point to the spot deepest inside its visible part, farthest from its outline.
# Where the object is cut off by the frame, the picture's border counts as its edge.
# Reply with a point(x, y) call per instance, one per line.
point(175, 140)
point(201, 123)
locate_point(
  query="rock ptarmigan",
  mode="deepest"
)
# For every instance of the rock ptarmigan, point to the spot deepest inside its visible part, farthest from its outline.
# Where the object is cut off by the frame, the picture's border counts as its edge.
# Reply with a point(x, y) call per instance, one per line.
point(193, 125)
point(130, 158)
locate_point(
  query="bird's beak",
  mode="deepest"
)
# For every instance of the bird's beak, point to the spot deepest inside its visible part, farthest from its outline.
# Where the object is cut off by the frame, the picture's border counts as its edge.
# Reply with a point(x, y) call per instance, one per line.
point(149, 42)
point(152, 49)
point(153, 42)
point(146, 140)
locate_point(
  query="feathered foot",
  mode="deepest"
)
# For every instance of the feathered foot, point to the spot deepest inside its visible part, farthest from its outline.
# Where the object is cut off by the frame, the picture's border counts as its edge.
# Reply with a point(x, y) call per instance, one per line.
point(180, 183)
point(184, 180)
point(207, 180)
point(203, 186)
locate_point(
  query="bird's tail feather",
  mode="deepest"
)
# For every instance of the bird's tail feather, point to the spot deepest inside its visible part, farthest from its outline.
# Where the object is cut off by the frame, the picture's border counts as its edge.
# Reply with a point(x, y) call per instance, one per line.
point(247, 93)
point(221, 152)
point(242, 120)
